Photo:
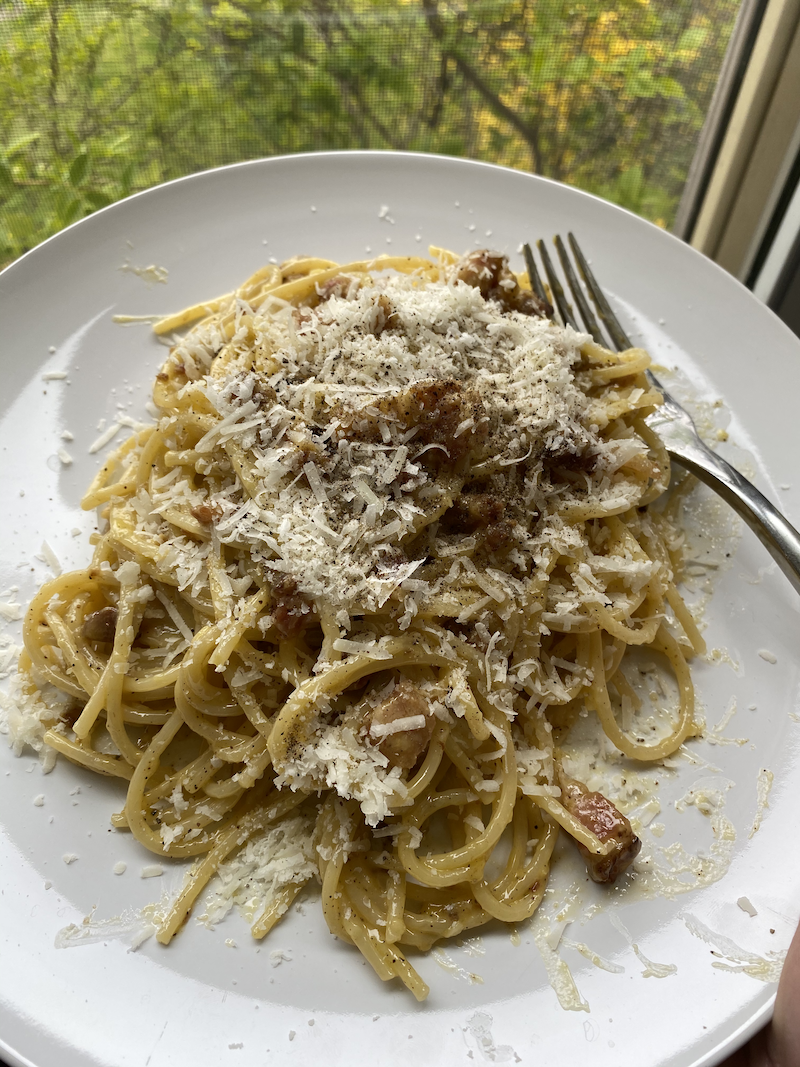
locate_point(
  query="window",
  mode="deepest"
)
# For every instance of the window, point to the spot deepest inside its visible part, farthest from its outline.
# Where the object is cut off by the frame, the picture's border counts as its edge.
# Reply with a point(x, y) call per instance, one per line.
point(99, 99)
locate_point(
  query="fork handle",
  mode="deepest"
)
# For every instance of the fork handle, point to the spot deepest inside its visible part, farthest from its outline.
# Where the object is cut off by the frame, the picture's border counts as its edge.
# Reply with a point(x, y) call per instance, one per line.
point(775, 532)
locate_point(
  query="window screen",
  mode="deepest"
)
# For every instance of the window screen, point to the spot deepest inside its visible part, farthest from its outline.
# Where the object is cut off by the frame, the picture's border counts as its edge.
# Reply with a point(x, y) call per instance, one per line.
point(98, 100)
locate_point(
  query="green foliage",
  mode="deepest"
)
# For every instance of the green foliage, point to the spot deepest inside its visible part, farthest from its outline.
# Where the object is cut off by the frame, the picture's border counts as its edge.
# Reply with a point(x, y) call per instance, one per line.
point(100, 99)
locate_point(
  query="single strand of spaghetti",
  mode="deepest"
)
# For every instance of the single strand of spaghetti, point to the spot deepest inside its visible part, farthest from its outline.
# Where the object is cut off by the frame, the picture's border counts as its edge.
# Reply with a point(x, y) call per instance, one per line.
point(515, 861)
point(445, 257)
point(472, 713)
point(395, 905)
point(142, 715)
point(409, 976)
point(115, 719)
point(424, 930)
point(134, 810)
point(243, 468)
point(684, 617)
point(332, 896)
point(112, 676)
point(444, 899)
point(305, 265)
point(100, 480)
point(625, 689)
point(276, 909)
point(330, 634)
point(249, 705)
point(605, 711)
point(269, 275)
point(158, 683)
point(181, 519)
point(574, 827)
point(101, 762)
point(216, 568)
point(466, 766)
point(234, 630)
point(187, 457)
point(190, 314)
point(580, 513)
point(618, 650)
point(368, 948)
point(630, 635)
point(151, 442)
point(537, 868)
point(660, 456)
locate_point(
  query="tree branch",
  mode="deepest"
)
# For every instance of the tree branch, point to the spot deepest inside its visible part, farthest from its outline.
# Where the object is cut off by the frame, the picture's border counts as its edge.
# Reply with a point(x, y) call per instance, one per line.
point(527, 130)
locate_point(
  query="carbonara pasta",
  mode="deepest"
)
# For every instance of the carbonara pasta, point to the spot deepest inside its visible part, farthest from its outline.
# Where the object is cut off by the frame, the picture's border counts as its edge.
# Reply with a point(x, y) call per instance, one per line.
point(391, 533)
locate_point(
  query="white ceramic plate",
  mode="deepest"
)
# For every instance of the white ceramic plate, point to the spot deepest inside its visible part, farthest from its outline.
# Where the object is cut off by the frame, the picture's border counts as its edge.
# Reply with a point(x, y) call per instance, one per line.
point(203, 1000)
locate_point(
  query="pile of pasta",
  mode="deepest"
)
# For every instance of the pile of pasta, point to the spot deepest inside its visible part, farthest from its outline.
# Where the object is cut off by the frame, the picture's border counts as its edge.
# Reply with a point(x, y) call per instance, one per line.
point(394, 529)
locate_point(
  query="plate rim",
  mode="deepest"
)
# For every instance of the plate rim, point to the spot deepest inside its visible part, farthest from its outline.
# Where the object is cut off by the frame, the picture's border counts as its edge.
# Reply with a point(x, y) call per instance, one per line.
point(762, 1013)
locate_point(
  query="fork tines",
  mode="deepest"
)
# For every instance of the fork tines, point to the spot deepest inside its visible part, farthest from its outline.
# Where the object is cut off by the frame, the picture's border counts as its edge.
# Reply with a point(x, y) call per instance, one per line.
point(619, 338)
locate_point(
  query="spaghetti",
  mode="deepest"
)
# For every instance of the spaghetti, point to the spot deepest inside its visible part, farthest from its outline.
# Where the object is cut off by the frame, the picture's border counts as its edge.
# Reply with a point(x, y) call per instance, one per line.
point(391, 533)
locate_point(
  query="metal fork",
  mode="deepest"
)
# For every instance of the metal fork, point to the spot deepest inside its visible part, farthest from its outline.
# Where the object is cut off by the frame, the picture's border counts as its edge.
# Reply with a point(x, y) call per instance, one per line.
point(673, 424)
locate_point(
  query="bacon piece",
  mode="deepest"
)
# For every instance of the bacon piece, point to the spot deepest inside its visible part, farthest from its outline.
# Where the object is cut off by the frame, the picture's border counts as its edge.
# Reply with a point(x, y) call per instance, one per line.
point(100, 626)
point(290, 609)
point(205, 513)
point(599, 815)
point(385, 316)
point(437, 407)
point(404, 748)
point(336, 286)
point(472, 512)
point(575, 461)
point(489, 272)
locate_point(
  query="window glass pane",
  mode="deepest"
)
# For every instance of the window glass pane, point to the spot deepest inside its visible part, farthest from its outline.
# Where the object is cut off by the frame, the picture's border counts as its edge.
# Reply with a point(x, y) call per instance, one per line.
point(101, 99)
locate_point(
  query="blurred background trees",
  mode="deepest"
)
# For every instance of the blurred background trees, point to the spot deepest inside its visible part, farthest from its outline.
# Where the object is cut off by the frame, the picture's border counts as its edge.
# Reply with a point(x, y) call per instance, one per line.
point(100, 99)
